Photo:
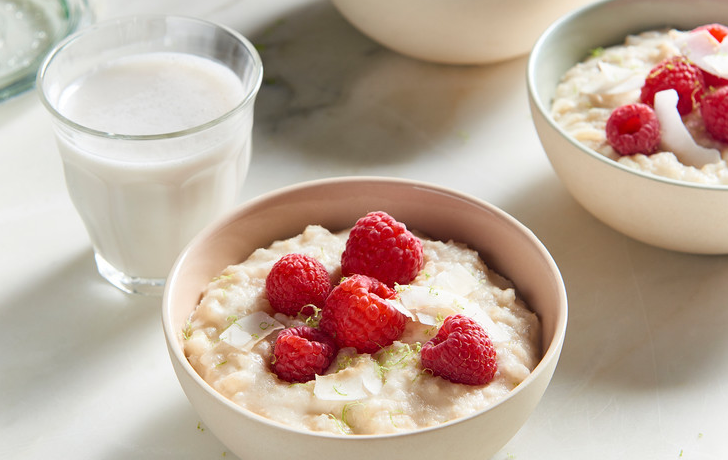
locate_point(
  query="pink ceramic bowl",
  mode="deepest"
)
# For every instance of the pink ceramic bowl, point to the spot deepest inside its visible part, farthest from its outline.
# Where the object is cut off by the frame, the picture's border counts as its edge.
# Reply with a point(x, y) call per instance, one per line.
point(505, 244)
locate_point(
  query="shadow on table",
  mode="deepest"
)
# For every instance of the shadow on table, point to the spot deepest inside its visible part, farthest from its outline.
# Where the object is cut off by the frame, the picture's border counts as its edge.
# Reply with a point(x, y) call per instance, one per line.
point(64, 325)
point(331, 93)
point(640, 318)
point(70, 332)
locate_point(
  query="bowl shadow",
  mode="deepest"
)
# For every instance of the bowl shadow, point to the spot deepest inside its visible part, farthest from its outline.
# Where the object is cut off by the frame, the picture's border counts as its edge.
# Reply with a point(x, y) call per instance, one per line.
point(51, 337)
point(637, 313)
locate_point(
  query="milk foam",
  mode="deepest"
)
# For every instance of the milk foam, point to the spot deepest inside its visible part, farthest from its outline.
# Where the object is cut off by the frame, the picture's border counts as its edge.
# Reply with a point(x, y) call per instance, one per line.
point(152, 93)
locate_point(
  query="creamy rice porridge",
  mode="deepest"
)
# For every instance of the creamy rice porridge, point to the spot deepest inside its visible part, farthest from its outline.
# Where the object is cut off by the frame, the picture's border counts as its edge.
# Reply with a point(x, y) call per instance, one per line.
point(385, 392)
point(611, 77)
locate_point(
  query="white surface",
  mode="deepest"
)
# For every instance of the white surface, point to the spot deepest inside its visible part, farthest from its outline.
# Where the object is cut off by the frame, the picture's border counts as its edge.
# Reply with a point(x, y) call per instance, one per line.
point(84, 372)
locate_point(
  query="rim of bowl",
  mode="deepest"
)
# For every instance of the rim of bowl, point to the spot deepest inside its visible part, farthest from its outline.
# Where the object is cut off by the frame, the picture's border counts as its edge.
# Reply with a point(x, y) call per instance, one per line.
point(532, 76)
point(552, 352)
point(249, 98)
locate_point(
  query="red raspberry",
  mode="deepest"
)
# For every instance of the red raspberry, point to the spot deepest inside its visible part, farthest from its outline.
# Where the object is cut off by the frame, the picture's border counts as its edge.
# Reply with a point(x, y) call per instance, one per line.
point(632, 129)
point(302, 352)
point(460, 352)
point(295, 281)
point(380, 247)
point(675, 73)
point(714, 109)
point(719, 32)
point(714, 81)
point(357, 315)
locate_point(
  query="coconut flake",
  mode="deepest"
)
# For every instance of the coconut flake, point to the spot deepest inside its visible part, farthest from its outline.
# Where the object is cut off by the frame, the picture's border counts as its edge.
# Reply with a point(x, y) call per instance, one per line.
point(249, 330)
point(719, 63)
point(701, 48)
point(432, 304)
point(614, 80)
point(349, 384)
point(457, 280)
point(675, 137)
point(397, 305)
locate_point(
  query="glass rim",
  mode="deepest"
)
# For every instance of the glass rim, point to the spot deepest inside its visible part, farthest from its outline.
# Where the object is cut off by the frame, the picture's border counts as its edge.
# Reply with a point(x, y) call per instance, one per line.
point(71, 39)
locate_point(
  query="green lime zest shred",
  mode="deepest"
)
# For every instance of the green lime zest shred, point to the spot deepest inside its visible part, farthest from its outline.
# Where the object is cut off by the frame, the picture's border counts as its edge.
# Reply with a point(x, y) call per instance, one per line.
point(187, 330)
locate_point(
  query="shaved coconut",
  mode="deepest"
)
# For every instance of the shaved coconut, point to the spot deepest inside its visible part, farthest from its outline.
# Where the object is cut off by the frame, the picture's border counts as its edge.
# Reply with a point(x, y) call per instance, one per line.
point(719, 63)
point(701, 48)
point(432, 304)
point(350, 384)
point(372, 380)
point(614, 80)
point(675, 137)
point(457, 280)
point(397, 305)
point(426, 319)
point(249, 330)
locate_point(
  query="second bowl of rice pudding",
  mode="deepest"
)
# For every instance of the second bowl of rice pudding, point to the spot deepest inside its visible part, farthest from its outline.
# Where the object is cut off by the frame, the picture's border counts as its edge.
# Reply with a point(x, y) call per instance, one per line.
point(477, 260)
point(659, 199)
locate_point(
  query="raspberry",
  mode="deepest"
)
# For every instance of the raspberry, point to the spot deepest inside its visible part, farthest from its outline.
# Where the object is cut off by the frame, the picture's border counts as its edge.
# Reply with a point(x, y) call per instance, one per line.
point(460, 352)
point(380, 247)
point(357, 315)
point(633, 128)
point(714, 81)
point(714, 110)
point(297, 281)
point(719, 32)
point(302, 352)
point(675, 73)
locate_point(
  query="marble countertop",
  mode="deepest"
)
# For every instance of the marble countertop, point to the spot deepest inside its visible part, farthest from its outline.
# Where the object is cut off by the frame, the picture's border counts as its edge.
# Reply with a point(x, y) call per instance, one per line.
point(84, 371)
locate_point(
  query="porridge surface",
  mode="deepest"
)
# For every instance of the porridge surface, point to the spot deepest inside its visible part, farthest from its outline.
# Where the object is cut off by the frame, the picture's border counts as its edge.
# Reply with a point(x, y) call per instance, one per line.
point(384, 392)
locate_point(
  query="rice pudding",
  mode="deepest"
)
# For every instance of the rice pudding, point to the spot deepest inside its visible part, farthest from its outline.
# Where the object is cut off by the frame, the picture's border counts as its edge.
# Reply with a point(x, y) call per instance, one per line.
point(612, 77)
point(229, 342)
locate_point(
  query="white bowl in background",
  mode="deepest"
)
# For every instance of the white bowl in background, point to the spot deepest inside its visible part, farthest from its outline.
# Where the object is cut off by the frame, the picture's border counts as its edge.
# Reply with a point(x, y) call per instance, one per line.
point(455, 31)
point(666, 213)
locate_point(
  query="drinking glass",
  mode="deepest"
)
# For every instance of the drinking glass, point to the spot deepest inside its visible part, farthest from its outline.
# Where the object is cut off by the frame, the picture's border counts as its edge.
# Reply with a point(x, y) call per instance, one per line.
point(144, 178)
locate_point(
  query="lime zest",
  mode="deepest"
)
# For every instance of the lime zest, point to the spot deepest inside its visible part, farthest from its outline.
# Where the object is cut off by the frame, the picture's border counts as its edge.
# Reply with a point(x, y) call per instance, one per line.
point(338, 391)
point(222, 277)
point(339, 424)
point(423, 372)
point(231, 319)
point(392, 414)
point(187, 330)
point(397, 357)
point(343, 362)
point(345, 411)
point(312, 320)
point(596, 52)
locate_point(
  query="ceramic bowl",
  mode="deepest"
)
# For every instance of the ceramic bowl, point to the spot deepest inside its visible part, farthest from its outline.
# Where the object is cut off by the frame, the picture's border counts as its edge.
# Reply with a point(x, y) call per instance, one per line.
point(455, 31)
point(505, 244)
point(666, 213)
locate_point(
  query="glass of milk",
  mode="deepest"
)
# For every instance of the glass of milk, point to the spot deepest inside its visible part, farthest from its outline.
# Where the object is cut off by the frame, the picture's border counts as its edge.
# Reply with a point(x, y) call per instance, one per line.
point(153, 118)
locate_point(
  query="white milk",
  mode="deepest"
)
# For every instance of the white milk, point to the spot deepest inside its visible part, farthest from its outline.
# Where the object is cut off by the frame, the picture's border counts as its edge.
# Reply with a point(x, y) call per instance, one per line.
point(143, 200)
